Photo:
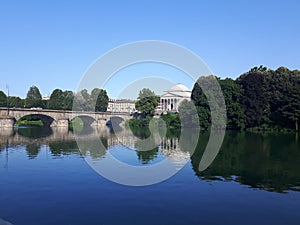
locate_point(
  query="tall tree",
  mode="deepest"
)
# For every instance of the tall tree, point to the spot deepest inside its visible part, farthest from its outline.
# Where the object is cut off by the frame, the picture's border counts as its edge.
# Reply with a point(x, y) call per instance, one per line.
point(284, 97)
point(232, 93)
point(33, 98)
point(100, 99)
point(56, 99)
point(16, 102)
point(3, 99)
point(68, 100)
point(188, 114)
point(201, 103)
point(147, 102)
point(82, 101)
point(254, 99)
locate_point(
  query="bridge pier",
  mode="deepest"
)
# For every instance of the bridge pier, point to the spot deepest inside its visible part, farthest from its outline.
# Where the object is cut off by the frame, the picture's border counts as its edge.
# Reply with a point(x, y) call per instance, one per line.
point(61, 131)
point(101, 123)
point(6, 131)
point(7, 121)
point(63, 122)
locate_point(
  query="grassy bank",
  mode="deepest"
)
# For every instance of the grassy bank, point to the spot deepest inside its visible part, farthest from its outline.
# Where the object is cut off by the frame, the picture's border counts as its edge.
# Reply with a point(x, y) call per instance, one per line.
point(76, 124)
point(37, 123)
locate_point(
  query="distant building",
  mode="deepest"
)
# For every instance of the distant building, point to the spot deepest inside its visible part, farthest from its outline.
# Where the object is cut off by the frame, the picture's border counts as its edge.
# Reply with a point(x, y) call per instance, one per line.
point(171, 99)
point(121, 105)
point(46, 98)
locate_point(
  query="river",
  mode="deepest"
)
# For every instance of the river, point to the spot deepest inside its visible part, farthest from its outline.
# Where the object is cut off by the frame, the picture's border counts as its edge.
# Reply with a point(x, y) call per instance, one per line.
point(45, 179)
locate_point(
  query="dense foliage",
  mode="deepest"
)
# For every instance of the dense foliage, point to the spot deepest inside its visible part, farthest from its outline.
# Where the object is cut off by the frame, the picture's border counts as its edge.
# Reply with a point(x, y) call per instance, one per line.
point(59, 100)
point(33, 98)
point(96, 101)
point(261, 99)
point(147, 102)
point(3, 99)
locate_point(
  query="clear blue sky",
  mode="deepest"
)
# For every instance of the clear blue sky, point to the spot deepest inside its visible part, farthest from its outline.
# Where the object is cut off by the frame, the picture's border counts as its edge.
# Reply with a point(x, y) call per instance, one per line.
point(50, 44)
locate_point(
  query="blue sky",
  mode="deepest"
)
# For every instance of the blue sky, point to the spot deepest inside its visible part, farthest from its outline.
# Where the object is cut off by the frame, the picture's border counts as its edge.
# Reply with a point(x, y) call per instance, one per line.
point(50, 44)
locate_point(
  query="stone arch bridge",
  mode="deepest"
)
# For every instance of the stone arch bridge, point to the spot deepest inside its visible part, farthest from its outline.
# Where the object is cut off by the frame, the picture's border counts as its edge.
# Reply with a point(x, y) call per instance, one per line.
point(59, 118)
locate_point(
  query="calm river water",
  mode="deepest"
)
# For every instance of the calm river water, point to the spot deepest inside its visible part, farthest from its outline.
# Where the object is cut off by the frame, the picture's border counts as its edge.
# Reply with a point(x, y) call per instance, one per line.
point(44, 180)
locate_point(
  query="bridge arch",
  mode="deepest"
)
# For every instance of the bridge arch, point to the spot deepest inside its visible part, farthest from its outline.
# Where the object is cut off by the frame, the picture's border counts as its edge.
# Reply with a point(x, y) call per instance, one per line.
point(115, 121)
point(87, 120)
point(47, 120)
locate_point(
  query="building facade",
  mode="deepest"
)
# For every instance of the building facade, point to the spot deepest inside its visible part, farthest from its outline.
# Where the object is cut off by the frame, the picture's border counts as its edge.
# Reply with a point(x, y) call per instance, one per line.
point(171, 99)
point(121, 105)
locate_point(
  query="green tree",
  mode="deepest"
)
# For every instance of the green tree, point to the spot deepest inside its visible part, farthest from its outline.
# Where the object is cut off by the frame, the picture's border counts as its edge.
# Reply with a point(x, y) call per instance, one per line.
point(147, 102)
point(254, 99)
point(3, 99)
point(61, 100)
point(68, 100)
point(99, 96)
point(201, 103)
point(188, 114)
point(284, 97)
point(86, 100)
point(16, 102)
point(232, 93)
point(33, 98)
point(82, 101)
point(172, 120)
point(96, 101)
point(56, 99)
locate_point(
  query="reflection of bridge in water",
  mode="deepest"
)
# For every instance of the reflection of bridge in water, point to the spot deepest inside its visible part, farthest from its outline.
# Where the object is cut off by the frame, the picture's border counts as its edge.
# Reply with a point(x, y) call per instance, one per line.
point(19, 136)
point(57, 136)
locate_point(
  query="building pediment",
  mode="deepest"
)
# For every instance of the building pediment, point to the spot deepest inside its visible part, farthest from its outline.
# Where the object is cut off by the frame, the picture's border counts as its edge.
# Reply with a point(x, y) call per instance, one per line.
point(184, 94)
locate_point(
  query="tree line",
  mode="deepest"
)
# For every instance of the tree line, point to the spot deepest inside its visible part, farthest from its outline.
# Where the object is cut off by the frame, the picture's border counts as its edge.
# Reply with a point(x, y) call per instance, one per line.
point(97, 100)
point(261, 99)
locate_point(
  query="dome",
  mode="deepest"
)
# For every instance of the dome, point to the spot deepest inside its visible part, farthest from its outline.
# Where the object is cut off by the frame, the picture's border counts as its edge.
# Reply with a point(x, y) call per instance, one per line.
point(170, 100)
point(178, 90)
point(179, 87)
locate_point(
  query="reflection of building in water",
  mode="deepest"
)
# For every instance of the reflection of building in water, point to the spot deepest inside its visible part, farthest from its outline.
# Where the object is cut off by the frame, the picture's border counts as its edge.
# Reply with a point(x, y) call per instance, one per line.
point(121, 105)
point(124, 137)
point(171, 149)
point(172, 98)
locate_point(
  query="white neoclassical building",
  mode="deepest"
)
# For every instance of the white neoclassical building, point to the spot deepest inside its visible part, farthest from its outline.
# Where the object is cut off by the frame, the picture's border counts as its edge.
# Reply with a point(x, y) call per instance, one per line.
point(121, 105)
point(171, 99)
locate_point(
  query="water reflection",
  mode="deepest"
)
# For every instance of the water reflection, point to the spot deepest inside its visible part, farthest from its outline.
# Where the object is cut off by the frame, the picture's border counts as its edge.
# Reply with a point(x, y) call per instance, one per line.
point(264, 161)
point(35, 132)
point(268, 161)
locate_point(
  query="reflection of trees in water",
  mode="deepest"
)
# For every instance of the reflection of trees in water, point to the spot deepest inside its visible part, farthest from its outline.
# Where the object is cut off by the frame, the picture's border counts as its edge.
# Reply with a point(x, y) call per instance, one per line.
point(63, 148)
point(177, 146)
point(141, 132)
point(265, 161)
point(146, 156)
point(93, 147)
point(145, 149)
point(146, 145)
point(86, 130)
point(35, 132)
point(32, 150)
